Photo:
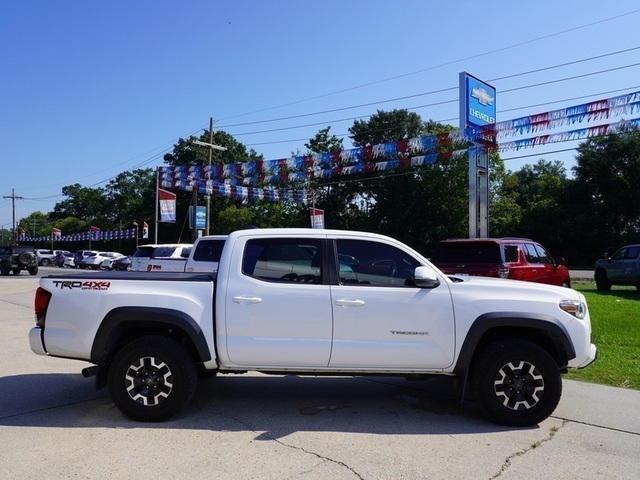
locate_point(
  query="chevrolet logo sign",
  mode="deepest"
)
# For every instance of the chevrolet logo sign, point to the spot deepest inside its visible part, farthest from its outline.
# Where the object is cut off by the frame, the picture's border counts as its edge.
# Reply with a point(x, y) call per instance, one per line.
point(482, 96)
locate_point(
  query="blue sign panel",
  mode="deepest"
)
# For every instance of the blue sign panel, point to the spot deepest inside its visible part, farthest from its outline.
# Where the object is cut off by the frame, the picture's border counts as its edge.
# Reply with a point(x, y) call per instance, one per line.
point(201, 218)
point(481, 102)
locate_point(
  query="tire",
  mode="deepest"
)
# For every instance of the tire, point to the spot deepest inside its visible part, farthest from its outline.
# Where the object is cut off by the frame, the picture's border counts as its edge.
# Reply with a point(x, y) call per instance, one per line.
point(5, 268)
point(33, 270)
point(516, 382)
point(152, 378)
point(16, 271)
point(602, 282)
point(24, 259)
point(45, 262)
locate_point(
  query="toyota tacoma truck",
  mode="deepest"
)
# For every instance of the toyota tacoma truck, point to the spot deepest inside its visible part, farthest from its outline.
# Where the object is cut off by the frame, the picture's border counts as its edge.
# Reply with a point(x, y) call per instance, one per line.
point(315, 302)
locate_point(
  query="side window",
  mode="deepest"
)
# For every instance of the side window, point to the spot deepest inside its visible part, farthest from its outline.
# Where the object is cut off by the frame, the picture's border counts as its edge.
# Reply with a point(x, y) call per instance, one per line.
point(530, 253)
point(208, 251)
point(369, 263)
point(511, 253)
point(283, 260)
point(543, 255)
point(620, 254)
point(633, 252)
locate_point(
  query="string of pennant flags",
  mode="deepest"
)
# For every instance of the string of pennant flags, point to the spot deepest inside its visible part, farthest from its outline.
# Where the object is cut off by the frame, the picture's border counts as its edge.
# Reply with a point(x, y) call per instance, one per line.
point(579, 134)
point(94, 234)
point(239, 187)
point(241, 180)
point(627, 104)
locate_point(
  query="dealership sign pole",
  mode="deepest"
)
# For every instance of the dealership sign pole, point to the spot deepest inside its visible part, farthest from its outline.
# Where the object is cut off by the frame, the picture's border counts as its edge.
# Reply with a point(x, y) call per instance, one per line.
point(478, 111)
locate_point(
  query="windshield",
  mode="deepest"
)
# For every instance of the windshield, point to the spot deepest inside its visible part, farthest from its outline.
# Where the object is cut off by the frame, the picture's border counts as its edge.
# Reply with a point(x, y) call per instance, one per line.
point(472, 252)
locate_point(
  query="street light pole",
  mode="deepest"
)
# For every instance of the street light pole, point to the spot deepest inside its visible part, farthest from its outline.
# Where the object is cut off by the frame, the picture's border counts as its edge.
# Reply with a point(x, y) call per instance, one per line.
point(211, 148)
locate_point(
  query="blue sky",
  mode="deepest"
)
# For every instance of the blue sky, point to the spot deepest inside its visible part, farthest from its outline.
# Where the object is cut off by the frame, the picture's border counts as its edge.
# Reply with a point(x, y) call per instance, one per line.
point(92, 89)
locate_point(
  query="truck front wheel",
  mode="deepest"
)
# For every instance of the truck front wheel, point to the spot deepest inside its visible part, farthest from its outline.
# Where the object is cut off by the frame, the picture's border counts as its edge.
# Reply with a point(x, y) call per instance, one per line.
point(602, 282)
point(516, 382)
point(152, 378)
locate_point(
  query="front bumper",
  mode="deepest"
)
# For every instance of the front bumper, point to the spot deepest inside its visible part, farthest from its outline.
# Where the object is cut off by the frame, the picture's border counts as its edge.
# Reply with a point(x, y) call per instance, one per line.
point(593, 354)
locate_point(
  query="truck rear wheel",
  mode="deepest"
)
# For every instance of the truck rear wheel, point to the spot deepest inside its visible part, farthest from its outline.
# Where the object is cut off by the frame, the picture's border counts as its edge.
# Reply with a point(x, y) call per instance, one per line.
point(516, 382)
point(152, 378)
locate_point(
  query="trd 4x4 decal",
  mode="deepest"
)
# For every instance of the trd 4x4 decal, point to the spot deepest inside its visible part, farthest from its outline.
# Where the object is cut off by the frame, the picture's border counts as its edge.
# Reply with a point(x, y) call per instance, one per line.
point(87, 285)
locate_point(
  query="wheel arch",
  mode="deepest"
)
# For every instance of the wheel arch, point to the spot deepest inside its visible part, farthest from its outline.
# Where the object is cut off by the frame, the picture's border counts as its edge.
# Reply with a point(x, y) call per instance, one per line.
point(124, 324)
point(543, 330)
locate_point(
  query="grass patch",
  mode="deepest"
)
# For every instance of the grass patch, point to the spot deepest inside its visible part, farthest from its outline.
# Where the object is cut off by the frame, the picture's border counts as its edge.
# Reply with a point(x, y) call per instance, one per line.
point(615, 323)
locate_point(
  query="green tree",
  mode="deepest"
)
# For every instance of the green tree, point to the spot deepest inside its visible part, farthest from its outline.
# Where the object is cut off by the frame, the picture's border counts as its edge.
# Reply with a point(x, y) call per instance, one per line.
point(324, 142)
point(392, 126)
point(419, 205)
point(131, 195)
point(607, 175)
point(35, 224)
point(85, 203)
point(505, 212)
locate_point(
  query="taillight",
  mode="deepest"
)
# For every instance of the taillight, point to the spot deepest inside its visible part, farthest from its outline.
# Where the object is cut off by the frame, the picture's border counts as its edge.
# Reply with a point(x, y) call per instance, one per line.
point(503, 271)
point(41, 303)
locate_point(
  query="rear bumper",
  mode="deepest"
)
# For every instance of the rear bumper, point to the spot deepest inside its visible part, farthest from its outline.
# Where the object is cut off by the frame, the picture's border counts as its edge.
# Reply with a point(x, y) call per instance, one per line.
point(35, 341)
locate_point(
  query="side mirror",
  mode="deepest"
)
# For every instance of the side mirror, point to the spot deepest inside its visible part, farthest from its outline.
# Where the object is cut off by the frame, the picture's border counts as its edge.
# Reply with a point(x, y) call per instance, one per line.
point(605, 256)
point(424, 277)
point(560, 261)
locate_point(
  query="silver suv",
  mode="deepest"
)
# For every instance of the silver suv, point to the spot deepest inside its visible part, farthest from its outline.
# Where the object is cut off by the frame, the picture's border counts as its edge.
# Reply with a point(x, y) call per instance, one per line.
point(47, 257)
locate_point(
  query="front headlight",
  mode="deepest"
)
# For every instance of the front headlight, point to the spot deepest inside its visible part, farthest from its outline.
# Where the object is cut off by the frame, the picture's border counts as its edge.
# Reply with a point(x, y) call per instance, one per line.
point(574, 307)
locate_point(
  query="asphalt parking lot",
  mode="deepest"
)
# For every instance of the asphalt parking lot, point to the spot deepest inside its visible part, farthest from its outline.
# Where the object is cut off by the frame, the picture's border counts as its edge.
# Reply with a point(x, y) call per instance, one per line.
point(53, 424)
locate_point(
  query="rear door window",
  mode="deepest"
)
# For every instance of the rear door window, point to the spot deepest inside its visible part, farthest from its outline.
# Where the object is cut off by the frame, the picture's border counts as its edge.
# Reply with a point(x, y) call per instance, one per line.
point(293, 260)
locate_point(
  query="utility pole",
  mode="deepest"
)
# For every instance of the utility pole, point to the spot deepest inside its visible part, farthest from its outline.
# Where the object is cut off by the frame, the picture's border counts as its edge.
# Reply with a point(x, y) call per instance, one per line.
point(211, 148)
point(34, 222)
point(207, 197)
point(13, 198)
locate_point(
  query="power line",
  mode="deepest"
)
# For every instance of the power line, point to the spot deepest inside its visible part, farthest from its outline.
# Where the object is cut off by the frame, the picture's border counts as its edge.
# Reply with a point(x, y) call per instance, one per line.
point(432, 92)
point(501, 49)
point(444, 120)
point(444, 102)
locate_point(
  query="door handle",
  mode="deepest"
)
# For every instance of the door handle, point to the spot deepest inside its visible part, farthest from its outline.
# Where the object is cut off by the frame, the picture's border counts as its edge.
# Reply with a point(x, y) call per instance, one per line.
point(346, 302)
point(246, 299)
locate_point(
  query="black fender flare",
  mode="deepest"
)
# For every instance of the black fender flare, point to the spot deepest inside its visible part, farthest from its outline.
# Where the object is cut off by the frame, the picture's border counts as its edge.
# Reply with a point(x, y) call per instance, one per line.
point(118, 320)
point(546, 325)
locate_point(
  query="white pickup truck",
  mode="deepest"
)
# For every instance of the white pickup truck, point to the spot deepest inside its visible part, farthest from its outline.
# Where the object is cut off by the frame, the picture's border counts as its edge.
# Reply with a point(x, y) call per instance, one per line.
point(204, 256)
point(144, 253)
point(314, 302)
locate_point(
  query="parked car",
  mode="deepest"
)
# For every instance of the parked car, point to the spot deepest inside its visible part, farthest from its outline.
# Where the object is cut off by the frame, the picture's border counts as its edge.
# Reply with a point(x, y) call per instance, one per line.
point(81, 257)
point(94, 261)
point(107, 262)
point(17, 258)
point(47, 257)
point(123, 263)
point(621, 268)
point(69, 261)
point(514, 258)
point(61, 257)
